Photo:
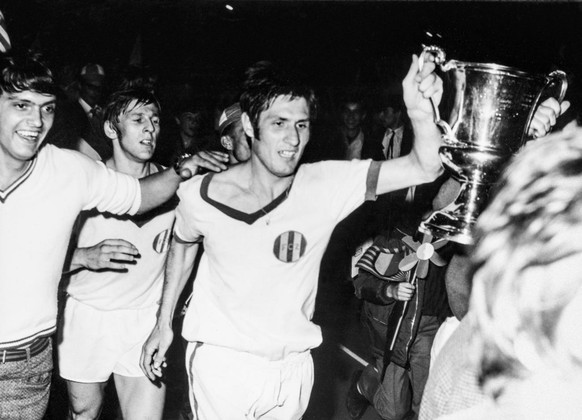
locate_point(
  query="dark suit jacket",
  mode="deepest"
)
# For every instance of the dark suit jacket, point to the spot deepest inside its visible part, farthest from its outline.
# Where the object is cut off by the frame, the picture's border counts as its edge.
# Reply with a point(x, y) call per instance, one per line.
point(72, 123)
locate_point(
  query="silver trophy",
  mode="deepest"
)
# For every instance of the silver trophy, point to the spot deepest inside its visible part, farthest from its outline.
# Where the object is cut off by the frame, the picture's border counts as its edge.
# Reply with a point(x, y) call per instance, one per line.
point(489, 108)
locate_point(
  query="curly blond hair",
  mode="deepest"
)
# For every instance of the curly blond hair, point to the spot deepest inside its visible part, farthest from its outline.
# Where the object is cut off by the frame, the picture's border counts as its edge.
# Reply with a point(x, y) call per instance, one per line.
point(526, 303)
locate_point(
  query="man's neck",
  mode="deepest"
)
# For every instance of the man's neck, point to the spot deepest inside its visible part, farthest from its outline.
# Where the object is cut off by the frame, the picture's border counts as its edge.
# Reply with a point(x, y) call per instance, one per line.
point(352, 134)
point(129, 167)
point(263, 183)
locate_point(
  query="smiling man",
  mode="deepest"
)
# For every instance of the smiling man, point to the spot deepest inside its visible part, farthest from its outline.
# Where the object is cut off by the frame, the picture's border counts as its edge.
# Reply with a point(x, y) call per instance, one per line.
point(111, 303)
point(265, 224)
point(42, 190)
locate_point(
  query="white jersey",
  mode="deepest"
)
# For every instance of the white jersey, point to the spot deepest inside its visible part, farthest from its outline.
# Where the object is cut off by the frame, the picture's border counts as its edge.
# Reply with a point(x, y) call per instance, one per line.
point(37, 213)
point(257, 280)
point(141, 285)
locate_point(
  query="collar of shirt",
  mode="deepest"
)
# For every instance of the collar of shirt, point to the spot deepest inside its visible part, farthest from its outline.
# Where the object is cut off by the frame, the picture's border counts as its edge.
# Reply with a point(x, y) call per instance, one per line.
point(86, 107)
point(354, 148)
point(394, 135)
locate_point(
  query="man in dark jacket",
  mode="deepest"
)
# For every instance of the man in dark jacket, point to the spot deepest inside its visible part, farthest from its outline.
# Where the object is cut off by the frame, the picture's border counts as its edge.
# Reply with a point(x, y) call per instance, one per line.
point(401, 283)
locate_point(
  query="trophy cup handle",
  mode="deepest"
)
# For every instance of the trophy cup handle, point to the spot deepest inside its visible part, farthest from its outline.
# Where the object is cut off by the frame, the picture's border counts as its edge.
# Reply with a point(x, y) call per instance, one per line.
point(439, 59)
point(561, 77)
point(553, 79)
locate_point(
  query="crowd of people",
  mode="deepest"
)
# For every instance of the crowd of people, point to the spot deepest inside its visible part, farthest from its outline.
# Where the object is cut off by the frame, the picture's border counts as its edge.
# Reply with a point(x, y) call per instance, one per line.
point(112, 209)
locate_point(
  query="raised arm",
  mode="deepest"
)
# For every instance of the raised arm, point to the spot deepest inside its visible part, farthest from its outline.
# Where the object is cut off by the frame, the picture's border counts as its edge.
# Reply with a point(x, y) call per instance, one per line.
point(423, 163)
point(178, 268)
point(158, 188)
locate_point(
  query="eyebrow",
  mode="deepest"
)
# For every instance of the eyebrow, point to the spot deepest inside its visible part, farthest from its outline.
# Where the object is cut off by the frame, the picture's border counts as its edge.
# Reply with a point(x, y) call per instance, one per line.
point(281, 118)
point(28, 101)
point(140, 113)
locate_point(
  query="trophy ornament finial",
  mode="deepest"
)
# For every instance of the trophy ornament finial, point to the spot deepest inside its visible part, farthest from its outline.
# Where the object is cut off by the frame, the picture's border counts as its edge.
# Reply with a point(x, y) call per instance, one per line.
point(437, 52)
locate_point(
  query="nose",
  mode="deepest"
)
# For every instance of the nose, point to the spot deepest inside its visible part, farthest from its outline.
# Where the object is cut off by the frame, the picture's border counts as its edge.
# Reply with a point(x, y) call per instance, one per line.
point(149, 127)
point(35, 117)
point(293, 137)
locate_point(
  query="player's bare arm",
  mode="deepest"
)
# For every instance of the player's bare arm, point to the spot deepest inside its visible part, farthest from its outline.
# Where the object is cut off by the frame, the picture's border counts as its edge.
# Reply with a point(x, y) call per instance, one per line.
point(158, 188)
point(178, 268)
point(423, 163)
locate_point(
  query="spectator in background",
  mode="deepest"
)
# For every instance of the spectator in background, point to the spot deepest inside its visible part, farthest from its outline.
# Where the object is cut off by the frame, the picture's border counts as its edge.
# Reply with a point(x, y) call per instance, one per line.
point(232, 135)
point(190, 132)
point(394, 384)
point(78, 122)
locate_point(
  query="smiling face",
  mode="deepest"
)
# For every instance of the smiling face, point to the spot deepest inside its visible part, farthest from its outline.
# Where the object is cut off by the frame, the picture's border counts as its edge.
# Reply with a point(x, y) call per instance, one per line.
point(283, 135)
point(138, 131)
point(353, 115)
point(25, 119)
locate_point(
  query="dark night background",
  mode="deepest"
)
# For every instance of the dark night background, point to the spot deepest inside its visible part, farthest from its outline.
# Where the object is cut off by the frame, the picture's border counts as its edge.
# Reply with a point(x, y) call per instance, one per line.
point(336, 43)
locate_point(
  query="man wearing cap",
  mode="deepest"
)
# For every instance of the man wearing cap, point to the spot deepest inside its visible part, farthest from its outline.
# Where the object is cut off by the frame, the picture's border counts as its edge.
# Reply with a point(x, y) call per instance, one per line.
point(92, 85)
point(78, 122)
point(232, 135)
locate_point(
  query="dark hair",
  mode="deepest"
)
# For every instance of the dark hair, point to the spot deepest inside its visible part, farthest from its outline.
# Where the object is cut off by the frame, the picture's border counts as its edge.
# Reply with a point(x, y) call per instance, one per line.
point(132, 77)
point(264, 83)
point(119, 101)
point(392, 100)
point(26, 73)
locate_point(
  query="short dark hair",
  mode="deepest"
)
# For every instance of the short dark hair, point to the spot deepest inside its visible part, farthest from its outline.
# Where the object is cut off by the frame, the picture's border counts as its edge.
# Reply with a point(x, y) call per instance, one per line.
point(264, 83)
point(119, 102)
point(26, 72)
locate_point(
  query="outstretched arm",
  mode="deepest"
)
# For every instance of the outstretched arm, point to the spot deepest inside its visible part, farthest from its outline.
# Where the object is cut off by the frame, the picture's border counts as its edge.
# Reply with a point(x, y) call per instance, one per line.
point(158, 188)
point(178, 268)
point(423, 163)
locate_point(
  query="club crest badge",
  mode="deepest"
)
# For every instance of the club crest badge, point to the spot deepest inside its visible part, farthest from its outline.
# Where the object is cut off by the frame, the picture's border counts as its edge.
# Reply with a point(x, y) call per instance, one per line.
point(289, 246)
point(162, 241)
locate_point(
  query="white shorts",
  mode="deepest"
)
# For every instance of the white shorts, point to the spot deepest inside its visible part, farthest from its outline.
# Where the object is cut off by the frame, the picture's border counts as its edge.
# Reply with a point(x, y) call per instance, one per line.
point(228, 384)
point(93, 344)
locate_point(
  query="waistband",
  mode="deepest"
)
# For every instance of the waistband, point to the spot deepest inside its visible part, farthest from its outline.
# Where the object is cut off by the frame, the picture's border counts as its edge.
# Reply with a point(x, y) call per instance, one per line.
point(249, 358)
point(21, 354)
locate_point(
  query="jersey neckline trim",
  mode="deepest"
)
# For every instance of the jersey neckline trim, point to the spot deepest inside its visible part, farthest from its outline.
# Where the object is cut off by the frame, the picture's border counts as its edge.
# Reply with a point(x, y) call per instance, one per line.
point(19, 181)
point(248, 218)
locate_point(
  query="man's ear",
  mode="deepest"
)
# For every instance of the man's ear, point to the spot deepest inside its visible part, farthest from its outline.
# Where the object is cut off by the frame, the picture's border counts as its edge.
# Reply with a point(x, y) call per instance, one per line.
point(110, 130)
point(247, 126)
point(226, 142)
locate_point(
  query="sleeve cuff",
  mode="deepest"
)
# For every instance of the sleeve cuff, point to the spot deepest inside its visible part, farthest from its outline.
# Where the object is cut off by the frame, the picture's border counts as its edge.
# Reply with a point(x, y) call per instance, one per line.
point(372, 181)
